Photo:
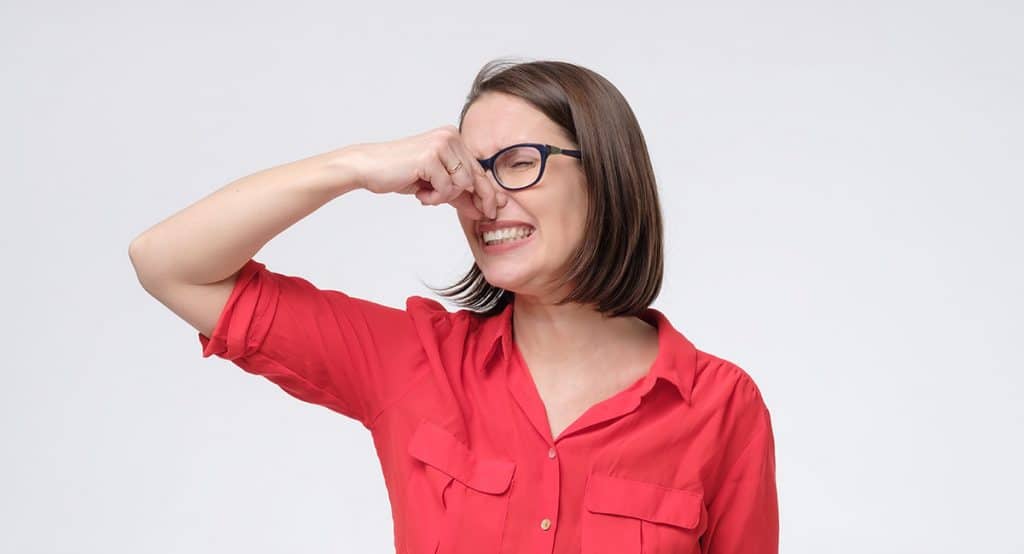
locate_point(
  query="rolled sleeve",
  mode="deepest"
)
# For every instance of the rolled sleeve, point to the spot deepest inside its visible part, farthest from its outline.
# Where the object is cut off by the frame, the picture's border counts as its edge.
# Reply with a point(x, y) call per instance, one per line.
point(321, 346)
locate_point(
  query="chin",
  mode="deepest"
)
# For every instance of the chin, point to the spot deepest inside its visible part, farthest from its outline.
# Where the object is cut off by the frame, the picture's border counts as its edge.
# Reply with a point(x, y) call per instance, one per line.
point(510, 280)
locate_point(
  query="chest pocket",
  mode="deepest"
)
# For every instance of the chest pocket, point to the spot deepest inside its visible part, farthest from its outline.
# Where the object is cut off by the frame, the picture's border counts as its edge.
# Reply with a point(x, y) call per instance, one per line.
point(627, 516)
point(457, 499)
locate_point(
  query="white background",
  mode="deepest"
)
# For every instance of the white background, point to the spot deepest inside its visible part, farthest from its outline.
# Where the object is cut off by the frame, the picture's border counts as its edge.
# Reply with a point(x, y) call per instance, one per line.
point(842, 187)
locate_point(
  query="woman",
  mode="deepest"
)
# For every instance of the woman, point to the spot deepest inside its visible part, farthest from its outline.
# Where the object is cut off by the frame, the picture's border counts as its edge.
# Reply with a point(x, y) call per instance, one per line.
point(556, 411)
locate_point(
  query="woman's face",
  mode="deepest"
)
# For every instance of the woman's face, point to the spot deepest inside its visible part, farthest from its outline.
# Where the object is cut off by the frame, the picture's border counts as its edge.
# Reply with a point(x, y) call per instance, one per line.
point(555, 207)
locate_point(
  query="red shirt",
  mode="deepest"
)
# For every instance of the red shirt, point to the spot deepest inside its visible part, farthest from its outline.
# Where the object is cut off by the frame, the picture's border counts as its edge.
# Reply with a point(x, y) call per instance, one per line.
point(681, 461)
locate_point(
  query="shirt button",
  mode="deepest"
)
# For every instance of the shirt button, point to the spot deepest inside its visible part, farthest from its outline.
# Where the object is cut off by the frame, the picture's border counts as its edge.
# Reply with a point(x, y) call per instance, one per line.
point(551, 453)
point(545, 524)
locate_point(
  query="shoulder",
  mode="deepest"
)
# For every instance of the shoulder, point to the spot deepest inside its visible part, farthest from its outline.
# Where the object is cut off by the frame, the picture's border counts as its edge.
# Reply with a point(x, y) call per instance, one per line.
point(433, 317)
point(721, 384)
point(428, 307)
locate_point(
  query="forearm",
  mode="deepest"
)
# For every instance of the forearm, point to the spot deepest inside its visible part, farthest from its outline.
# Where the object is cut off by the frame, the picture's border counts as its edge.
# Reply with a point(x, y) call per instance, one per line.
point(212, 238)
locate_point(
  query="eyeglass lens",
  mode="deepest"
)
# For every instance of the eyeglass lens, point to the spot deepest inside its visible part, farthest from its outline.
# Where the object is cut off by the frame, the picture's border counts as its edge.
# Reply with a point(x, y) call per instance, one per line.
point(518, 167)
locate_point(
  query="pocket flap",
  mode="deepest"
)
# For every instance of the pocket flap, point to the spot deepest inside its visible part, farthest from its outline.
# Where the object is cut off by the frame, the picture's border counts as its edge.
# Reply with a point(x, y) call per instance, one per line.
point(640, 499)
point(434, 445)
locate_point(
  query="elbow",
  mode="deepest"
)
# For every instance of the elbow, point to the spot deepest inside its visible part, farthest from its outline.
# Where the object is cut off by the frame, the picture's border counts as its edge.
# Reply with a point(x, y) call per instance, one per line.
point(137, 257)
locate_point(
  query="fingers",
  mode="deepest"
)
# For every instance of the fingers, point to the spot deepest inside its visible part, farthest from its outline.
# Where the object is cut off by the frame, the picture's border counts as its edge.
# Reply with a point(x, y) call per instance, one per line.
point(478, 190)
point(463, 177)
point(482, 187)
point(468, 188)
point(434, 172)
point(468, 204)
point(447, 184)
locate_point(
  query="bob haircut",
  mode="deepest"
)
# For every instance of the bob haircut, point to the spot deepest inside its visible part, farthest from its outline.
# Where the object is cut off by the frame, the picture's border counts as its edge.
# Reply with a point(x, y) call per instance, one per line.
point(618, 265)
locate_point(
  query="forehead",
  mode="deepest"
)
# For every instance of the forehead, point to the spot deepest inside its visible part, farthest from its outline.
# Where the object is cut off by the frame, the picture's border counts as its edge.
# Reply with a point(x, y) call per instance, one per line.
point(496, 120)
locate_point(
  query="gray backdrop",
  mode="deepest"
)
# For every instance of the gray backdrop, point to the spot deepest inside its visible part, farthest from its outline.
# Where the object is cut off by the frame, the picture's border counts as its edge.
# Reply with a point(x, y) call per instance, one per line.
point(841, 181)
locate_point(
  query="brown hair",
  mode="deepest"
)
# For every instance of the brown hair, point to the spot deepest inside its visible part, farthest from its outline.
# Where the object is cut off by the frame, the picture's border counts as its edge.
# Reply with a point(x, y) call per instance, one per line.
point(618, 266)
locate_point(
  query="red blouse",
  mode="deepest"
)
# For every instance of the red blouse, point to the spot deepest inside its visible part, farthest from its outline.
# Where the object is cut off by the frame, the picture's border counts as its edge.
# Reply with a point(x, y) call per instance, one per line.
point(681, 461)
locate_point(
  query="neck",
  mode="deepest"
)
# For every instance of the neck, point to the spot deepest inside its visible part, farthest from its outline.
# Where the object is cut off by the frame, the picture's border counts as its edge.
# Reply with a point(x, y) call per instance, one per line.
point(573, 337)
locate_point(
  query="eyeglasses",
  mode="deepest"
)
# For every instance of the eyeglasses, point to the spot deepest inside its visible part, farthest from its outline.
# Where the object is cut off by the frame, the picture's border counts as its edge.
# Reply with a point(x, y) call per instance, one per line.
point(522, 165)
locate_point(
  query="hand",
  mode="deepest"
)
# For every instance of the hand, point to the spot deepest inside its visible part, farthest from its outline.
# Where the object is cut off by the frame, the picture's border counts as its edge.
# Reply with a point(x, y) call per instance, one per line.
point(418, 165)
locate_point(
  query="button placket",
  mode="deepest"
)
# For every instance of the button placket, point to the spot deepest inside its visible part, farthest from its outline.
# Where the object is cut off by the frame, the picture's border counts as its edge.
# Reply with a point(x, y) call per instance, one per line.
point(551, 471)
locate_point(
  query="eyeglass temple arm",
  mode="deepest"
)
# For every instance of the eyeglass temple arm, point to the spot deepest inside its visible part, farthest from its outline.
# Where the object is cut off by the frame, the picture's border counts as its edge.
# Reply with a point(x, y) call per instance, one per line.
point(557, 150)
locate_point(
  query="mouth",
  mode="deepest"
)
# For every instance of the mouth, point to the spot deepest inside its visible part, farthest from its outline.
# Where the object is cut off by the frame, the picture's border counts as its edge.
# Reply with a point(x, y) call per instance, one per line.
point(506, 239)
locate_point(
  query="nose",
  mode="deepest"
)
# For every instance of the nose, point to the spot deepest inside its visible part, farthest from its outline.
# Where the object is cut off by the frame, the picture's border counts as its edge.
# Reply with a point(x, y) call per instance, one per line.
point(500, 194)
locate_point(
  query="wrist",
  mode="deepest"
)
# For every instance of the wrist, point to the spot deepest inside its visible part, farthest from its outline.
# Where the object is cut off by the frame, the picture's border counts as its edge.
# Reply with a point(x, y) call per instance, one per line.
point(344, 177)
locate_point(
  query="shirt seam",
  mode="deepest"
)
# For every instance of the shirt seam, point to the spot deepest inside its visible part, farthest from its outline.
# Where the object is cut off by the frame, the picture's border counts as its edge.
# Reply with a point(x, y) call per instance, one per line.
point(301, 377)
point(385, 406)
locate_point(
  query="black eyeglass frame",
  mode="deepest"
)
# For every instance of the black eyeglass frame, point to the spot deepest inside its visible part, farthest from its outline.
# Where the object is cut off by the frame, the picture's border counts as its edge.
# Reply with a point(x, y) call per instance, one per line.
point(545, 151)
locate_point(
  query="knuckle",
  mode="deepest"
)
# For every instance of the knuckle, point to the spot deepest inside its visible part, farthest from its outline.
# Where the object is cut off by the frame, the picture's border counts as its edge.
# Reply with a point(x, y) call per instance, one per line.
point(434, 136)
point(428, 156)
point(447, 133)
point(434, 142)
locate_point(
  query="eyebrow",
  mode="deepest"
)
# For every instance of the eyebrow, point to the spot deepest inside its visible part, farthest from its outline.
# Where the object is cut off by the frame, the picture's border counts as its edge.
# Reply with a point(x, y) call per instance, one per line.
point(506, 145)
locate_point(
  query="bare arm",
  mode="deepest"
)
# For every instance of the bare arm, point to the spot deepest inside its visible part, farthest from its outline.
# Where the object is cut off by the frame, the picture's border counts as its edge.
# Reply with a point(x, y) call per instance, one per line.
point(189, 261)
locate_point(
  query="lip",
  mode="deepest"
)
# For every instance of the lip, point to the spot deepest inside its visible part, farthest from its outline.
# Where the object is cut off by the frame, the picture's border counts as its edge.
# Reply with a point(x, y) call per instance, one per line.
point(483, 227)
point(506, 246)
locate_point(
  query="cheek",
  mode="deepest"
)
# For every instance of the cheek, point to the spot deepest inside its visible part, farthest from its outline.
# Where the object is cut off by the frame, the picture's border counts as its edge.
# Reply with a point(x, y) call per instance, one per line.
point(563, 233)
point(468, 229)
point(574, 217)
point(563, 217)
point(575, 232)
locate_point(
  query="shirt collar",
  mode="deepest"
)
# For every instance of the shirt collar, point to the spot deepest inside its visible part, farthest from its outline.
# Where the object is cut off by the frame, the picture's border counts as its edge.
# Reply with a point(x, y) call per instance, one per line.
point(676, 361)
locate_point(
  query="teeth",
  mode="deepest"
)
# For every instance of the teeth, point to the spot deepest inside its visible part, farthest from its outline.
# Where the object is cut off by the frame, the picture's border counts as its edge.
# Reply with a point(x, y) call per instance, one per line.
point(507, 234)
